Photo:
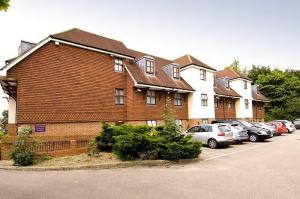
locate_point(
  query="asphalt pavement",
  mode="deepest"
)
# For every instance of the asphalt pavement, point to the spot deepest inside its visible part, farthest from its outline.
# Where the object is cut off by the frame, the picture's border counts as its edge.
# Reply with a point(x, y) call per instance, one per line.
point(251, 170)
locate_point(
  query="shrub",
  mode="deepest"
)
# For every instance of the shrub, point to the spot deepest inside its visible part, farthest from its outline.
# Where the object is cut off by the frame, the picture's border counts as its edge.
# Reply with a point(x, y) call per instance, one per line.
point(106, 139)
point(25, 130)
point(92, 148)
point(23, 153)
point(2, 133)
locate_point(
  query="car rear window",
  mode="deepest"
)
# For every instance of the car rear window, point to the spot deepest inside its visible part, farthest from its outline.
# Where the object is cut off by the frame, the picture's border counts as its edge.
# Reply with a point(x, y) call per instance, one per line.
point(224, 128)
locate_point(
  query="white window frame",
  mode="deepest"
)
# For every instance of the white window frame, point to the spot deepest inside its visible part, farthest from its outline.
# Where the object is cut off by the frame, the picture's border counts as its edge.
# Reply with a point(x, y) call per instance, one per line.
point(151, 97)
point(149, 64)
point(119, 97)
point(176, 72)
point(227, 83)
point(203, 74)
point(119, 65)
point(178, 99)
point(204, 99)
point(152, 123)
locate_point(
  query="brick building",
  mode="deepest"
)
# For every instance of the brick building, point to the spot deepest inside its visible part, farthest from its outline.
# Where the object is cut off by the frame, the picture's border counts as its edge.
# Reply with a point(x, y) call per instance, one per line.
point(71, 81)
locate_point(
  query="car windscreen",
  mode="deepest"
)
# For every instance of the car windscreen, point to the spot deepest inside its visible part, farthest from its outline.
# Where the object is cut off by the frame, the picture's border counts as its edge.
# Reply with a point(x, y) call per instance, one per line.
point(224, 128)
point(247, 124)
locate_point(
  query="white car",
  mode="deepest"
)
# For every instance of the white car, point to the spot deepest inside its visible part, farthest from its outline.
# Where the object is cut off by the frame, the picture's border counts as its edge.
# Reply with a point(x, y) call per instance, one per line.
point(239, 133)
point(213, 135)
point(289, 125)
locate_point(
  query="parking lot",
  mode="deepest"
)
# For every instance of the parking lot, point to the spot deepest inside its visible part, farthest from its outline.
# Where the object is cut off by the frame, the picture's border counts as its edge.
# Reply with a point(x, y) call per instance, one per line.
point(268, 169)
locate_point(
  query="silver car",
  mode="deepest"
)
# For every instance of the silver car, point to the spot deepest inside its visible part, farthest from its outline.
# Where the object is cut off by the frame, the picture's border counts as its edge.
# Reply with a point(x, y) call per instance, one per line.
point(265, 126)
point(213, 135)
point(239, 133)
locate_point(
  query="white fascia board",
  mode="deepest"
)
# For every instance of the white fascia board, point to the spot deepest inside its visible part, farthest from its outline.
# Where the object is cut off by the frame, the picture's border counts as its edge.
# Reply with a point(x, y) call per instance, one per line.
point(91, 48)
point(194, 66)
point(261, 100)
point(242, 79)
point(135, 83)
point(20, 58)
point(227, 96)
point(163, 88)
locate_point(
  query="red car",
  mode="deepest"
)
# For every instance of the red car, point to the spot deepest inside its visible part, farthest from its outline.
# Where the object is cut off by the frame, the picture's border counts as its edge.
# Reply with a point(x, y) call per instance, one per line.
point(279, 127)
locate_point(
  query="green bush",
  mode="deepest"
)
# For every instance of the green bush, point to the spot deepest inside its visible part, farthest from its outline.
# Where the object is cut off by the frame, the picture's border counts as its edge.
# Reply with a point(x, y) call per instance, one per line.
point(23, 153)
point(106, 139)
point(25, 130)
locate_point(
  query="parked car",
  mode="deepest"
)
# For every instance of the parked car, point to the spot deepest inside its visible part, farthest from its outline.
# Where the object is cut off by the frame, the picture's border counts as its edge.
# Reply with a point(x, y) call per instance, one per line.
point(279, 127)
point(213, 135)
point(297, 123)
point(289, 125)
point(266, 126)
point(255, 133)
point(239, 133)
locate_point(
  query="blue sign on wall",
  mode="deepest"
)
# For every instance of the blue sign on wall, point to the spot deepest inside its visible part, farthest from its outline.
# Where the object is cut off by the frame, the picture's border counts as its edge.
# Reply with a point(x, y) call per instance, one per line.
point(39, 128)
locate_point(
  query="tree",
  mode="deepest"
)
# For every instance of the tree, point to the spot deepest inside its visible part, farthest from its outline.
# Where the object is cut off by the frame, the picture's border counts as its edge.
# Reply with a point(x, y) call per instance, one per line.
point(258, 70)
point(4, 119)
point(4, 4)
point(235, 65)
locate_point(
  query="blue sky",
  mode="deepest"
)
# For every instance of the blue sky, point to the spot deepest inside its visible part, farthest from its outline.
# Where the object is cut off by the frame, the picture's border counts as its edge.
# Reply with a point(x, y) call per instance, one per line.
point(265, 32)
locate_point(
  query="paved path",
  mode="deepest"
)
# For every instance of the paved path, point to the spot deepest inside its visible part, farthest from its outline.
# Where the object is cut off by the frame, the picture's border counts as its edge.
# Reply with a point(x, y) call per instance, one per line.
point(251, 170)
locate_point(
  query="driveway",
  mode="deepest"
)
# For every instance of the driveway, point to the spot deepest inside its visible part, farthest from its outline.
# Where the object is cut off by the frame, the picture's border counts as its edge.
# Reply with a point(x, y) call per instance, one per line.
point(251, 170)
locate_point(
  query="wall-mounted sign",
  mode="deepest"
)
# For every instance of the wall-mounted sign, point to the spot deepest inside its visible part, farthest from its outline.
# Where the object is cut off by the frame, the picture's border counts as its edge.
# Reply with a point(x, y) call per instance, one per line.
point(39, 128)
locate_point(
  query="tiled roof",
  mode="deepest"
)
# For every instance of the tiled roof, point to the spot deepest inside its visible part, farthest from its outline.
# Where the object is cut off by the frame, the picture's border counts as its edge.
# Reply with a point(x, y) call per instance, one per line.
point(258, 97)
point(160, 78)
point(92, 40)
point(188, 60)
point(221, 90)
point(231, 74)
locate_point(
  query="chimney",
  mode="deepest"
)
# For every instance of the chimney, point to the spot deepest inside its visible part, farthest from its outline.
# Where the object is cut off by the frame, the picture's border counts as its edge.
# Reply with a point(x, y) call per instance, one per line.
point(25, 46)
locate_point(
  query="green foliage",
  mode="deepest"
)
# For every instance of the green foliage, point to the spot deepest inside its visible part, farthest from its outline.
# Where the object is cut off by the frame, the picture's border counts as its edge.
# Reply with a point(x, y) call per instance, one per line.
point(235, 65)
point(4, 119)
point(92, 148)
point(2, 133)
point(23, 153)
point(4, 4)
point(105, 140)
point(25, 130)
point(282, 88)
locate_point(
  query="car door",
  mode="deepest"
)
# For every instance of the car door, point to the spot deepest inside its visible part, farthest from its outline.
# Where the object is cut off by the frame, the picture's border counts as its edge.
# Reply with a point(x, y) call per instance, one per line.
point(195, 132)
point(205, 131)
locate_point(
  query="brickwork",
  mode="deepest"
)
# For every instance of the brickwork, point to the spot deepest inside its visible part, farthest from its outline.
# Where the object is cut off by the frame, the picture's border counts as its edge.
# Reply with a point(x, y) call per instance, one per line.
point(223, 111)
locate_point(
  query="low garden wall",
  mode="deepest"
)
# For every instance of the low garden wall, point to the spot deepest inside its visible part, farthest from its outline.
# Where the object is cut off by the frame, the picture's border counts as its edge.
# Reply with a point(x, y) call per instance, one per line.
point(54, 146)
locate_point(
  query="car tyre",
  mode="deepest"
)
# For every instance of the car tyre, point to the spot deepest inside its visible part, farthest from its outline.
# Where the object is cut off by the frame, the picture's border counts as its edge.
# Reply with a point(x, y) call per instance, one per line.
point(253, 138)
point(212, 143)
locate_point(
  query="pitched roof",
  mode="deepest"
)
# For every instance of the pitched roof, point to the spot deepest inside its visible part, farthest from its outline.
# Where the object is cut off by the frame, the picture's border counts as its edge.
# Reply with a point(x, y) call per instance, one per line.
point(221, 90)
point(160, 78)
point(259, 97)
point(232, 74)
point(188, 60)
point(78, 36)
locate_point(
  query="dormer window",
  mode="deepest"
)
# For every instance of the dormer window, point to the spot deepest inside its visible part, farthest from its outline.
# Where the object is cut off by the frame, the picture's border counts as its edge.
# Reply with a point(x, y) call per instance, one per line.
point(176, 72)
point(150, 66)
point(227, 83)
point(119, 65)
point(203, 74)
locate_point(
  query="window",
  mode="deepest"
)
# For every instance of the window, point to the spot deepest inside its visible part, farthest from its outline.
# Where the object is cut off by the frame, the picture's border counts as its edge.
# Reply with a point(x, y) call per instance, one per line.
point(206, 128)
point(176, 72)
point(205, 121)
point(204, 99)
point(194, 129)
point(178, 123)
point(216, 103)
point(229, 104)
point(151, 123)
point(246, 103)
point(118, 65)
point(150, 66)
point(151, 98)
point(227, 83)
point(202, 74)
point(178, 99)
point(119, 96)
point(245, 84)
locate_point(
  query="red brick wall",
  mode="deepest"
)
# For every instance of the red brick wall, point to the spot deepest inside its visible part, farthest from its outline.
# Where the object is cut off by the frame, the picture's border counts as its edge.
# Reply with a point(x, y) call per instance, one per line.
point(65, 84)
point(258, 113)
point(223, 112)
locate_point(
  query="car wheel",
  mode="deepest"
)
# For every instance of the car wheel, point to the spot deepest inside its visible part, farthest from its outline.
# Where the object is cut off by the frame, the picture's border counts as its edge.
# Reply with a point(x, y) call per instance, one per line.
point(212, 143)
point(253, 138)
